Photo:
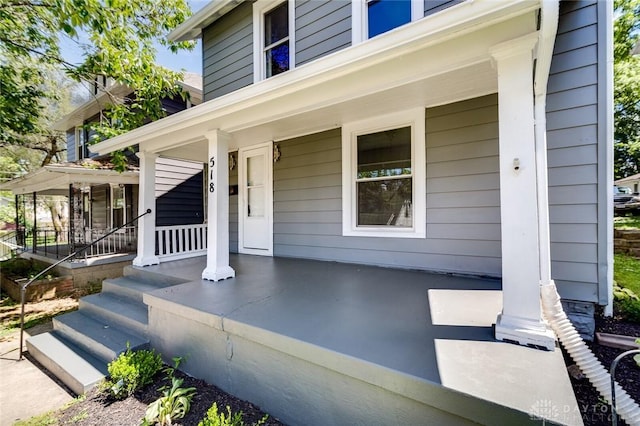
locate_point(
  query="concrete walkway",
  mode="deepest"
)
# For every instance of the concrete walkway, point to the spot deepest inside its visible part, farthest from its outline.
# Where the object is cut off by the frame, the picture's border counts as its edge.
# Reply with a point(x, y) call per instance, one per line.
point(25, 390)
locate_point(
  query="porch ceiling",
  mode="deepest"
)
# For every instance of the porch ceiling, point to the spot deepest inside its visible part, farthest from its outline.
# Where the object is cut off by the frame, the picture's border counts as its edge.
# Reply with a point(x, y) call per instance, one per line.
point(55, 180)
point(434, 61)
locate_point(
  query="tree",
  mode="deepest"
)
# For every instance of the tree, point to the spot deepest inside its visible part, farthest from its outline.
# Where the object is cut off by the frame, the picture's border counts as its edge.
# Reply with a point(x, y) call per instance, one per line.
point(120, 36)
point(626, 88)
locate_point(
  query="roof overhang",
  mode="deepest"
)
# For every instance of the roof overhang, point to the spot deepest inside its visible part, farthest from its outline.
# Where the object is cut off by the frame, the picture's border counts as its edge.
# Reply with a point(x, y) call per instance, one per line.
point(440, 59)
point(191, 29)
point(55, 179)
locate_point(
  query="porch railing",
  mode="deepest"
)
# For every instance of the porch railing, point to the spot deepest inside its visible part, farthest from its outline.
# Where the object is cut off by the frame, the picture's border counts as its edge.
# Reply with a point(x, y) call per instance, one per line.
point(125, 240)
point(181, 241)
point(9, 244)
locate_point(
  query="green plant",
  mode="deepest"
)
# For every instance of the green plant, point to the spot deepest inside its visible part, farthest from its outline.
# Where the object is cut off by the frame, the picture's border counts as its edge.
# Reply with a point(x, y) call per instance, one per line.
point(216, 418)
point(626, 303)
point(174, 403)
point(18, 267)
point(626, 270)
point(131, 371)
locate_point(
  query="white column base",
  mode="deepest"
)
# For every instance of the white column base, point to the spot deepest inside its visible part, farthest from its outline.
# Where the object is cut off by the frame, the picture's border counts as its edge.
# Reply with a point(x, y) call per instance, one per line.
point(219, 273)
point(525, 332)
point(146, 261)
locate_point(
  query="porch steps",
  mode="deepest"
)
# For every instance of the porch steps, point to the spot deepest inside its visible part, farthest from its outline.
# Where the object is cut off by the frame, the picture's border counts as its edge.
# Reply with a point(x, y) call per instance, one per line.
point(76, 368)
point(83, 342)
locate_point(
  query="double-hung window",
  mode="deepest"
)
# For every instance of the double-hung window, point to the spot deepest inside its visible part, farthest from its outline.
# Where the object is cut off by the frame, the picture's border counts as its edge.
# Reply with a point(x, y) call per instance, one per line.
point(273, 33)
point(383, 172)
point(375, 17)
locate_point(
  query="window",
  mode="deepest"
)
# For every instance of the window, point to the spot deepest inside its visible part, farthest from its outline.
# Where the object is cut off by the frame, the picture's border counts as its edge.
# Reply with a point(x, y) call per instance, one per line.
point(82, 149)
point(383, 172)
point(375, 17)
point(273, 38)
point(118, 210)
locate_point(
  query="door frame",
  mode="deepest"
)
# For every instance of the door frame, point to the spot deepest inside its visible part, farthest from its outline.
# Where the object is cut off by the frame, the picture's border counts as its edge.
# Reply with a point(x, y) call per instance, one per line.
point(268, 198)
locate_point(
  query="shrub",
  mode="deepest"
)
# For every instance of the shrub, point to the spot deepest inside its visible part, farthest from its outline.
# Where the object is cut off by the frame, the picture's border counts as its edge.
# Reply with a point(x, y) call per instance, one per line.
point(216, 418)
point(626, 303)
point(131, 371)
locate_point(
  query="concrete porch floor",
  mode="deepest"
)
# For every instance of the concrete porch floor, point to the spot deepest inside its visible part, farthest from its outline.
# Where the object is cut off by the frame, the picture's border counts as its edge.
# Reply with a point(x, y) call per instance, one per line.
point(425, 336)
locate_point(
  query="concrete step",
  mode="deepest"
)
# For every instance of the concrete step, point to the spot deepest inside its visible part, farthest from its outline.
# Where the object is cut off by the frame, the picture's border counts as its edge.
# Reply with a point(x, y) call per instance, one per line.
point(129, 287)
point(156, 278)
point(76, 368)
point(126, 313)
point(96, 336)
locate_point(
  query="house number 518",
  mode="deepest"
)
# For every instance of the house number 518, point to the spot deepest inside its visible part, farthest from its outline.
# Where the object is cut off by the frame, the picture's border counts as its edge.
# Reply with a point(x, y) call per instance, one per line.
point(212, 185)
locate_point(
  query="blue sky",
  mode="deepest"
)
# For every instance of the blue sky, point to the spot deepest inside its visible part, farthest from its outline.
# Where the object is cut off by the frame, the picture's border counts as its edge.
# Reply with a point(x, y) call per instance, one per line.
point(189, 61)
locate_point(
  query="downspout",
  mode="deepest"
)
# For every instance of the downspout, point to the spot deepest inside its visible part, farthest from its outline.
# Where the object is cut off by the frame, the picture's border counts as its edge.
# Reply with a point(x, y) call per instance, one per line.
point(552, 307)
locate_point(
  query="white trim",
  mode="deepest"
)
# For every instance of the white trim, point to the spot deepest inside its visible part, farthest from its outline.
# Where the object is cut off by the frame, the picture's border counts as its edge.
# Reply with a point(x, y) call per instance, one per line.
point(464, 18)
point(192, 27)
point(268, 198)
point(260, 8)
point(360, 23)
point(350, 131)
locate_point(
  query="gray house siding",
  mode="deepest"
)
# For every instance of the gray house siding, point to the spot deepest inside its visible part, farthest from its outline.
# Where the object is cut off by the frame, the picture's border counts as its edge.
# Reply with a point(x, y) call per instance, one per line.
point(179, 195)
point(573, 145)
point(463, 208)
point(227, 52)
point(435, 6)
point(322, 27)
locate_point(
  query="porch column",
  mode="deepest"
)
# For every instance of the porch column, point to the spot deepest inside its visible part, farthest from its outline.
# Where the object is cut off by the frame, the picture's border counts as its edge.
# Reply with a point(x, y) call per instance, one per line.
point(521, 317)
point(147, 200)
point(218, 208)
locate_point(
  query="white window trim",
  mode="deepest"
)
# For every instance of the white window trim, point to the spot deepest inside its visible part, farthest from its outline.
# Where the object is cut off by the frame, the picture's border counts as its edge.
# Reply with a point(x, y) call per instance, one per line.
point(360, 25)
point(80, 142)
point(260, 8)
point(113, 204)
point(350, 132)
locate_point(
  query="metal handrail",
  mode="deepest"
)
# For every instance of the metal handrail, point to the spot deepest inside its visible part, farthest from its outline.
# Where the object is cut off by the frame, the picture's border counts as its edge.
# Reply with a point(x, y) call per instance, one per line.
point(614, 364)
point(23, 289)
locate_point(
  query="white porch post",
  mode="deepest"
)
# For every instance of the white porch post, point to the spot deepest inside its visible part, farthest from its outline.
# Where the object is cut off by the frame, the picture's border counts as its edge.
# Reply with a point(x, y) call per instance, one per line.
point(218, 208)
point(147, 200)
point(521, 319)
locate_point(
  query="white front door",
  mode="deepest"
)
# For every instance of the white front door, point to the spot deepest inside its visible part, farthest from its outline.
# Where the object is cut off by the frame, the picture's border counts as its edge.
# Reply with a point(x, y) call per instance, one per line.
point(255, 201)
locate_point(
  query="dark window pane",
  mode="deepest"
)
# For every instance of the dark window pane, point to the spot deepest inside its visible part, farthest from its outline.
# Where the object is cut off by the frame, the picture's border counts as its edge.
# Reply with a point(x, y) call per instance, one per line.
point(278, 59)
point(383, 154)
point(276, 24)
point(385, 15)
point(385, 202)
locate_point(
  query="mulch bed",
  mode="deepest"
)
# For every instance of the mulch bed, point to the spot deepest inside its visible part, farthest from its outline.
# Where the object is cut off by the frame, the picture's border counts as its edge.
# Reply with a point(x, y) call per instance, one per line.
point(595, 411)
point(99, 410)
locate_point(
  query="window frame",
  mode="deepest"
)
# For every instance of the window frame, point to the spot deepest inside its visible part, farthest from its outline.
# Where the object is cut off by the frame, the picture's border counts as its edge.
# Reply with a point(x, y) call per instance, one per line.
point(81, 142)
point(260, 9)
point(414, 118)
point(360, 23)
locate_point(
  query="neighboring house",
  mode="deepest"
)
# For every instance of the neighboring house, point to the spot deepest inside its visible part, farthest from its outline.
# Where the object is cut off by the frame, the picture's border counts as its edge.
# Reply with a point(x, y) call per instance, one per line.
point(632, 182)
point(100, 197)
point(470, 138)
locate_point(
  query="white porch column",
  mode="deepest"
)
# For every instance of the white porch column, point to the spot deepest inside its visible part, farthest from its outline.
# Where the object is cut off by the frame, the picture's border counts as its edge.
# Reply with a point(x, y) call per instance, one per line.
point(521, 319)
point(147, 200)
point(218, 208)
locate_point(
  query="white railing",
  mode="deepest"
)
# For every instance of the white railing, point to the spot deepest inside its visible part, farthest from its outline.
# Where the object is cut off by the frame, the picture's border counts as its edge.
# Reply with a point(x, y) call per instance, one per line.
point(122, 241)
point(181, 241)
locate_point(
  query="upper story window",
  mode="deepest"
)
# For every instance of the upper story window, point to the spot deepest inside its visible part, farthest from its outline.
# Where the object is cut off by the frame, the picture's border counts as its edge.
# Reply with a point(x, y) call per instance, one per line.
point(82, 148)
point(383, 171)
point(273, 34)
point(375, 17)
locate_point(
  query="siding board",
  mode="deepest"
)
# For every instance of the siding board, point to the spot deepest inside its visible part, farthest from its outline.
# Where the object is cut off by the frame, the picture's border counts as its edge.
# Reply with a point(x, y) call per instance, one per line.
point(463, 224)
point(179, 194)
point(322, 27)
point(228, 52)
